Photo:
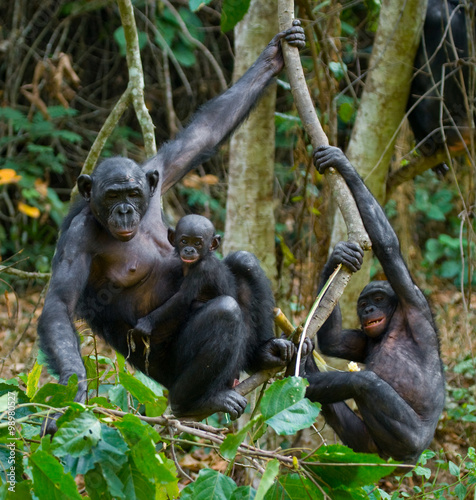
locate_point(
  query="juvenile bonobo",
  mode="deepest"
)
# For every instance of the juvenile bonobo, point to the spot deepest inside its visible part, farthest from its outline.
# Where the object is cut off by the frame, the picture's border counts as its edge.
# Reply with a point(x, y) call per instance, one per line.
point(114, 265)
point(400, 395)
point(205, 277)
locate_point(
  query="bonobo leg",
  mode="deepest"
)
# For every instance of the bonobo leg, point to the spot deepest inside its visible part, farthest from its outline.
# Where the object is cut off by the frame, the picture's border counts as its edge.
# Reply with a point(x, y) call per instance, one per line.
point(210, 355)
point(257, 303)
point(389, 423)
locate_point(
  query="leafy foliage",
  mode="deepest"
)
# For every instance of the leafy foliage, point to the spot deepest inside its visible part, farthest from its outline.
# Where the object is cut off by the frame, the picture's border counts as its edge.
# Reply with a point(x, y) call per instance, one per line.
point(123, 457)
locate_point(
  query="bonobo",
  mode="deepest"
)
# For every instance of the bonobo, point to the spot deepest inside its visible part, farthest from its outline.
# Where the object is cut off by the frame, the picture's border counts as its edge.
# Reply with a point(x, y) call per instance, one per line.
point(401, 393)
point(205, 277)
point(114, 265)
point(440, 87)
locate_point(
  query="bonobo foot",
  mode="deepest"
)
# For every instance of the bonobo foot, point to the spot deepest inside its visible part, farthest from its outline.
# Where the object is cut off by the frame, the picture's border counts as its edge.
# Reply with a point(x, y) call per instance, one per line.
point(49, 424)
point(276, 353)
point(227, 401)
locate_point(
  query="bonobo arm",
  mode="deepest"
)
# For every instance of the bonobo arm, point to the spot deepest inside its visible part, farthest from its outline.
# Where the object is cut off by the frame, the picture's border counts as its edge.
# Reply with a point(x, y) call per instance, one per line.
point(57, 334)
point(385, 243)
point(333, 341)
point(221, 116)
point(176, 307)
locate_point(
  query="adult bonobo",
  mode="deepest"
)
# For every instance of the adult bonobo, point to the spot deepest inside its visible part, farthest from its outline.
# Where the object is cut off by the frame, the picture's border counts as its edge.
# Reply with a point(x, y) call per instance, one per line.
point(440, 87)
point(400, 394)
point(114, 264)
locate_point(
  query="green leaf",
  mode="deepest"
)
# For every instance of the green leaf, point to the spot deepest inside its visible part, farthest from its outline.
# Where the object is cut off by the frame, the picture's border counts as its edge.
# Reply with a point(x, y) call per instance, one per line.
point(346, 112)
point(460, 491)
point(110, 451)
point(33, 380)
point(337, 69)
point(282, 394)
point(453, 468)
point(78, 436)
point(142, 393)
point(284, 408)
point(270, 473)
point(141, 439)
point(49, 479)
point(450, 269)
point(244, 493)
point(57, 395)
point(232, 12)
point(184, 54)
point(299, 416)
point(232, 442)
point(352, 476)
point(292, 487)
point(212, 485)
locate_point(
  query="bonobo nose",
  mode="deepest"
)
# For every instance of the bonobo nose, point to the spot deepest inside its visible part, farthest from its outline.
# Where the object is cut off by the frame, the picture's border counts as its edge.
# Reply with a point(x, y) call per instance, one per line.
point(124, 208)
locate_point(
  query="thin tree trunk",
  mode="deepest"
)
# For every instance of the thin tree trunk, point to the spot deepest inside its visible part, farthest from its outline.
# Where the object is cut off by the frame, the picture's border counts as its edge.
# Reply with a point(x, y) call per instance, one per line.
point(250, 223)
point(381, 111)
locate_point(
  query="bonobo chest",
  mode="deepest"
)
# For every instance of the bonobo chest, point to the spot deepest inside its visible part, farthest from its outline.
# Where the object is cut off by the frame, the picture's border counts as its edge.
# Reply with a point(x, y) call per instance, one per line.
point(145, 261)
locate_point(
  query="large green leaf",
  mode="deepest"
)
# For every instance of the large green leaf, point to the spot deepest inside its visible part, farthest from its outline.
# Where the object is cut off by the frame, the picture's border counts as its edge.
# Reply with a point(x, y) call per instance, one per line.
point(352, 476)
point(232, 12)
point(293, 487)
point(284, 407)
point(49, 479)
point(270, 473)
point(212, 485)
point(78, 436)
point(57, 395)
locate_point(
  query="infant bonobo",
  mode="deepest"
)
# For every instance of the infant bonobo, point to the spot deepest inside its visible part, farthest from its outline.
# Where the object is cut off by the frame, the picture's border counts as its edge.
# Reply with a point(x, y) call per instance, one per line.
point(205, 276)
point(400, 395)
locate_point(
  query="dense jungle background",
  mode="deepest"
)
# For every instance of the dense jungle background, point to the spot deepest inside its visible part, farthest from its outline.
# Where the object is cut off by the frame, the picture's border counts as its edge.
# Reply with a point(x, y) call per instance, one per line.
point(63, 69)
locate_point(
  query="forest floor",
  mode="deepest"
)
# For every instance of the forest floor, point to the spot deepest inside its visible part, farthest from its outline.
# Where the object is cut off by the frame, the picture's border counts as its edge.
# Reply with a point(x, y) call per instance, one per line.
point(456, 321)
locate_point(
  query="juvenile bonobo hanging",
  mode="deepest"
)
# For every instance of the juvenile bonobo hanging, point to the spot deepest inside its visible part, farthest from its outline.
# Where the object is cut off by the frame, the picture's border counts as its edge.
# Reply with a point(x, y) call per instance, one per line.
point(114, 265)
point(400, 395)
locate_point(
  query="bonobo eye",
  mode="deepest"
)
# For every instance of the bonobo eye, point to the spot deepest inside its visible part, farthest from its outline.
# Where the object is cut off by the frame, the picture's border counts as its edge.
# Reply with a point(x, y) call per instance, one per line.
point(134, 194)
point(362, 305)
point(183, 241)
point(378, 298)
point(198, 243)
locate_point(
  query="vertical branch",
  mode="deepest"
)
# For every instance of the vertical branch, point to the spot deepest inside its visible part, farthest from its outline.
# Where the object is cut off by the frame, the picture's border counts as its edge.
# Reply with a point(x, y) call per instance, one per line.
point(355, 229)
point(136, 75)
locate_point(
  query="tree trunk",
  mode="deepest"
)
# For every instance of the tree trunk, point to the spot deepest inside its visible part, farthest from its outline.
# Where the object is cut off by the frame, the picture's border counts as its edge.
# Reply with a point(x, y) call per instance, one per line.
point(250, 223)
point(381, 111)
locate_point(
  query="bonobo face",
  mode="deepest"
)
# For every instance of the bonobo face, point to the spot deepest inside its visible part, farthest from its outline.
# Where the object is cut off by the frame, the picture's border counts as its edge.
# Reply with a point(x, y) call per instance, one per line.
point(375, 308)
point(118, 193)
point(193, 238)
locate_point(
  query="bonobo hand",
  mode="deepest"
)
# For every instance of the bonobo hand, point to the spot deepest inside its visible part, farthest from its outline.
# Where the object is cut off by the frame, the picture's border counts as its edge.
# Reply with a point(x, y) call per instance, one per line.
point(143, 327)
point(348, 253)
point(325, 157)
point(273, 54)
point(277, 352)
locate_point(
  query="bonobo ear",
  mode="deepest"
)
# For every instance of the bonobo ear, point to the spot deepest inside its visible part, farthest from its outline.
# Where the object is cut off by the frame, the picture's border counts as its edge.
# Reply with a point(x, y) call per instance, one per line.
point(85, 185)
point(215, 242)
point(171, 236)
point(153, 179)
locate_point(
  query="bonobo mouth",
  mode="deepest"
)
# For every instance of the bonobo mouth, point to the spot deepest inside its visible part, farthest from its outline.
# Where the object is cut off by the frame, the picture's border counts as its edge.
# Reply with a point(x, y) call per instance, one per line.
point(125, 235)
point(374, 324)
point(189, 261)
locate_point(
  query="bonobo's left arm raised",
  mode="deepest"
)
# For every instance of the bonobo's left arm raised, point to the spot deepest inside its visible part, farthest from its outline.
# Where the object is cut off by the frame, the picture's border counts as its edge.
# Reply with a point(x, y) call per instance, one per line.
point(385, 243)
point(217, 119)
